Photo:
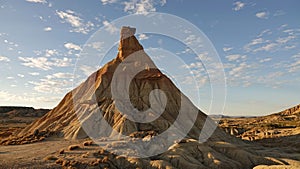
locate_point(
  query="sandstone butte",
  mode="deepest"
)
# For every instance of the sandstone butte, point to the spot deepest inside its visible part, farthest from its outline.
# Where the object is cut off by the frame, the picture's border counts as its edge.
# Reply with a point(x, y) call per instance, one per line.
point(78, 107)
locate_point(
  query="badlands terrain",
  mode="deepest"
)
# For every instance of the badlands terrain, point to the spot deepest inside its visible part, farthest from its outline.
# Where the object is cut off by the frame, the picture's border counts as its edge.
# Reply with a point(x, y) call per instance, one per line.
point(89, 129)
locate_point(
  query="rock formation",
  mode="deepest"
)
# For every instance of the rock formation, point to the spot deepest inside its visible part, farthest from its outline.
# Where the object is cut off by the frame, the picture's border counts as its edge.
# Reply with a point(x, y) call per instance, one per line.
point(102, 98)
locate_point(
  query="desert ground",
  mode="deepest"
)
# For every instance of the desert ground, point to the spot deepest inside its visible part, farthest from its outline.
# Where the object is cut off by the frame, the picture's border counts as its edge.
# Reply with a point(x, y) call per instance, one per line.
point(262, 136)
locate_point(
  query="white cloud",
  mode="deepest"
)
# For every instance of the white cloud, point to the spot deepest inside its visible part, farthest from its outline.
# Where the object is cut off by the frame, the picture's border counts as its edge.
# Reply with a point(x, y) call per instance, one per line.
point(72, 46)
point(226, 49)
point(235, 57)
point(110, 27)
point(60, 75)
point(267, 47)
point(285, 39)
point(21, 75)
point(254, 42)
point(296, 55)
point(53, 86)
point(47, 53)
point(290, 47)
point(238, 70)
point(37, 1)
point(282, 39)
point(262, 15)
point(76, 22)
point(96, 45)
point(10, 77)
point(47, 29)
point(4, 59)
point(27, 99)
point(238, 5)
point(70, 17)
point(57, 83)
point(34, 73)
point(143, 37)
point(265, 32)
point(88, 70)
point(45, 63)
point(294, 67)
point(104, 2)
point(51, 52)
point(39, 62)
point(142, 6)
point(265, 60)
point(192, 40)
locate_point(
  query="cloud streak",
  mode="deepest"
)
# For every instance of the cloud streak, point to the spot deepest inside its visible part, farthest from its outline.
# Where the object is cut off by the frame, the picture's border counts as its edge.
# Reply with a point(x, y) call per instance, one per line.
point(4, 59)
point(262, 15)
point(238, 5)
point(75, 21)
point(45, 63)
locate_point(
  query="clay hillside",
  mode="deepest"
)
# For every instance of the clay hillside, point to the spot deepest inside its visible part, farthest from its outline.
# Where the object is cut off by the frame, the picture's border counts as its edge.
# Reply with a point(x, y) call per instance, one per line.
point(13, 119)
point(277, 130)
point(70, 122)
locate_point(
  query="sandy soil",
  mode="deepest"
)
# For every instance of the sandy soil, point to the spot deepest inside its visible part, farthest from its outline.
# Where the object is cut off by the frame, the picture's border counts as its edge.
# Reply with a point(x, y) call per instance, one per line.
point(32, 155)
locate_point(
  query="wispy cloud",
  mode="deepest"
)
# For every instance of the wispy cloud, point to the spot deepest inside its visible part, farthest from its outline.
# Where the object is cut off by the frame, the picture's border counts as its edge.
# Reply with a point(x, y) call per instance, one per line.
point(110, 27)
point(104, 2)
point(72, 46)
point(51, 52)
point(265, 60)
point(20, 75)
point(75, 21)
point(283, 40)
point(34, 73)
point(142, 37)
point(137, 6)
point(238, 5)
point(88, 70)
point(45, 63)
point(47, 29)
point(57, 83)
point(226, 49)
point(29, 99)
point(60, 75)
point(294, 67)
point(4, 59)
point(277, 40)
point(235, 57)
point(37, 1)
point(142, 6)
point(267, 47)
point(262, 15)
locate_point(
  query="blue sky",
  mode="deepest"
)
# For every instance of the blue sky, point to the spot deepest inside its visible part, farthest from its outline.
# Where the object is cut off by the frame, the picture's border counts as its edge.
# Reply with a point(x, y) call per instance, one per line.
point(257, 41)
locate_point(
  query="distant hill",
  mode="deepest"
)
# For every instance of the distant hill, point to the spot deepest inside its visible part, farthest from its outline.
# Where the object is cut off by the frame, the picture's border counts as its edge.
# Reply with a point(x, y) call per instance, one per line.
point(15, 118)
point(284, 123)
point(16, 111)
